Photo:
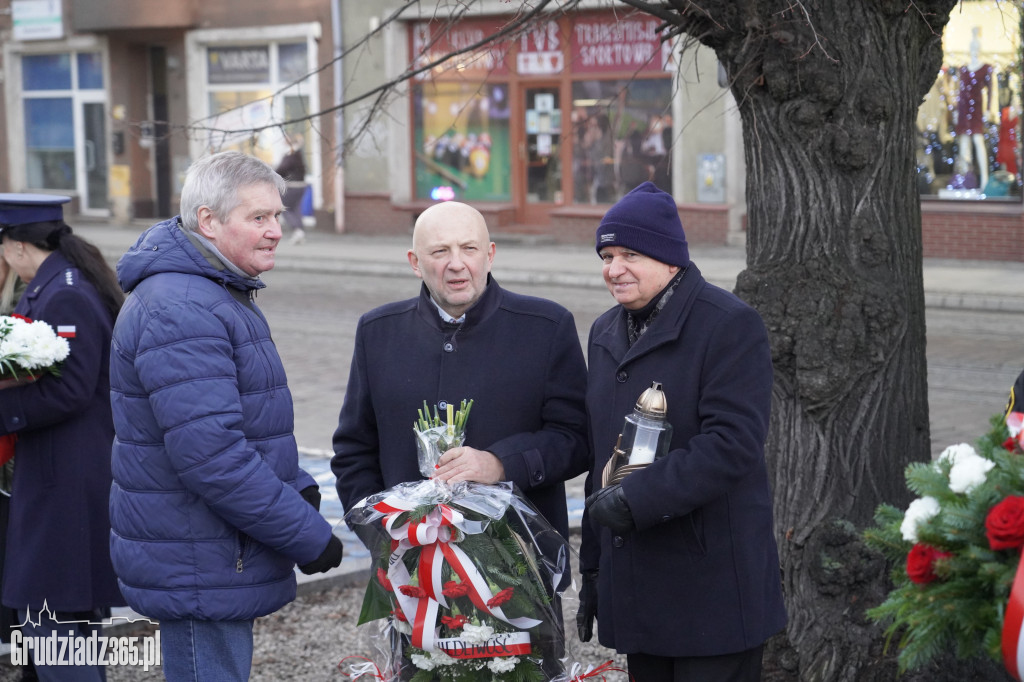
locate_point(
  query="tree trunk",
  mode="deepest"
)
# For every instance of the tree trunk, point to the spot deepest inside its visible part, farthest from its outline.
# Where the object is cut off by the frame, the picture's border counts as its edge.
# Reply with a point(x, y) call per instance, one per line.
point(828, 94)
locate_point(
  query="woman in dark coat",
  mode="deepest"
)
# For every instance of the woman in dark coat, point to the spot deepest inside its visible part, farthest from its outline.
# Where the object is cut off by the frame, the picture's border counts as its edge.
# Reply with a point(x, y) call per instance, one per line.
point(59, 531)
point(680, 557)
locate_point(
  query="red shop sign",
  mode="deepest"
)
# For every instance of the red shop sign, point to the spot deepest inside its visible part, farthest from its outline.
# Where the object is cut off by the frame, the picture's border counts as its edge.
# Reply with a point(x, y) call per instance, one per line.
point(605, 43)
point(541, 50)
point(432, 40)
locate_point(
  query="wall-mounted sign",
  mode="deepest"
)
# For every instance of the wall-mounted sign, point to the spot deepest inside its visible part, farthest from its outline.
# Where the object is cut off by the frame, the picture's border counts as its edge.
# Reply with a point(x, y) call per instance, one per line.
point(461, 50)
point(540, 50)
point(604, 43)
point(37, 19)
point(239, 64)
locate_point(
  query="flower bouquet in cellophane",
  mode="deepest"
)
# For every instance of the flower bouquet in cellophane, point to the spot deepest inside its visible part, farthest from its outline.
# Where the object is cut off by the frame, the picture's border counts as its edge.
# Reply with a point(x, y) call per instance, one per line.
point(467, 580)
point(27, 349)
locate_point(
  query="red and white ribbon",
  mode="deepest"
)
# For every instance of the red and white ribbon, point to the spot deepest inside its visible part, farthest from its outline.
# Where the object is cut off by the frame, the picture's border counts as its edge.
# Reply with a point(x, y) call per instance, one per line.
point(1013, 646)
point(434, 534)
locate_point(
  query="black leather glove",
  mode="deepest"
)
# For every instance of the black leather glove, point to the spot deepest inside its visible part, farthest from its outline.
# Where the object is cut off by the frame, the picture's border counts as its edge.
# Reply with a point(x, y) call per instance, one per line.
point(588, 606)
point(311, 494)
point(327, 560)
point(608, 506)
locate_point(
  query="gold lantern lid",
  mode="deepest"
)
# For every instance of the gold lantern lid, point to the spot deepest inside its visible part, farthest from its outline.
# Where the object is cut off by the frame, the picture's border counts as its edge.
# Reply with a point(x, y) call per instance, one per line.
point(652, 402)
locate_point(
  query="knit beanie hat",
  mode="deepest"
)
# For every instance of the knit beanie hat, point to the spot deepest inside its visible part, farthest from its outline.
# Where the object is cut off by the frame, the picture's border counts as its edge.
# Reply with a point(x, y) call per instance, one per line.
point(647, 221)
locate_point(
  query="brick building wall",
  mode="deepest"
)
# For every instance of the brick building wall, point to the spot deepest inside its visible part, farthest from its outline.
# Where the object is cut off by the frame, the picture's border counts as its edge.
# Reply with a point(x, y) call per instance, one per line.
point(949, 230)
point(972, 231)
point(375, 214)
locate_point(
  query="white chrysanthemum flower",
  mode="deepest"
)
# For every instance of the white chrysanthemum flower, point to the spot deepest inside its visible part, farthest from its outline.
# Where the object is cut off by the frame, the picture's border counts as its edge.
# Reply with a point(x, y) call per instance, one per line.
point(441, 658)
point(477, 633)
point(968, 473)
point(32, 345)
point(955, 453)
point(920, 510)
point(423, 662)
point(502, 665)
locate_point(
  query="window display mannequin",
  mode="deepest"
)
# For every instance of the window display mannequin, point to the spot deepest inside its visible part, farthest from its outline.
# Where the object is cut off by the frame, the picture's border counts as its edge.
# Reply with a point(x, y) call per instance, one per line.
point(1009, 119)
point(974, 97)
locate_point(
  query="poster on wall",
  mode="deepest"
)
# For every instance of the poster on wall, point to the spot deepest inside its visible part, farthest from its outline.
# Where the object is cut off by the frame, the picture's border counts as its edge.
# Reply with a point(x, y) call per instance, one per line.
point(462, 142)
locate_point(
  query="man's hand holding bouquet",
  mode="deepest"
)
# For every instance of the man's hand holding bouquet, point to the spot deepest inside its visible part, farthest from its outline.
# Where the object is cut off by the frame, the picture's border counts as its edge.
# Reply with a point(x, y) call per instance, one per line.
point(466, 578)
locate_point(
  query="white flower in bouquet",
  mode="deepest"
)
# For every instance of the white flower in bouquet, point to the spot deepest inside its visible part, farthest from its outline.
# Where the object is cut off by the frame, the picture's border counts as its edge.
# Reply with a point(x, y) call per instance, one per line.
point(955, 453)
point(968, 473)
point(502, 665)
point(29, 346)
point(423, 662)
point(920, 510)
point(477, 634)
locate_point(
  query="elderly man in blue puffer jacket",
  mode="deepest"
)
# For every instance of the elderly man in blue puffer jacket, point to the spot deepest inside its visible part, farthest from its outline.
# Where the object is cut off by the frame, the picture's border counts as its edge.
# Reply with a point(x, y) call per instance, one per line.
point(209, 510)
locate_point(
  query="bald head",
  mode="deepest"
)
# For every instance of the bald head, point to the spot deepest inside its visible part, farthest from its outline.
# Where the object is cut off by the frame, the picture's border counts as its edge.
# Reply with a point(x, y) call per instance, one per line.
point(452, 253)
point(445, 217)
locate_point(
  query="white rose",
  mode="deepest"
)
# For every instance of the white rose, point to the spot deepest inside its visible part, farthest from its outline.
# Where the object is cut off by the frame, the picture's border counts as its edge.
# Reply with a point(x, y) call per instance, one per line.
point(920, 510)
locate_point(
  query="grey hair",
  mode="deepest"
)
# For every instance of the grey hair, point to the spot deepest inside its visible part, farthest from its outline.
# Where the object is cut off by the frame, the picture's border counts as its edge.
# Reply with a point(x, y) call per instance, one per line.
point(213, 181)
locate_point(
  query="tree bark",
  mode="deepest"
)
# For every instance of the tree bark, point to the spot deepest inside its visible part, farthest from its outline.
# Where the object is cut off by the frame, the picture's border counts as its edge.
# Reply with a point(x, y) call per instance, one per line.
point(828, 94)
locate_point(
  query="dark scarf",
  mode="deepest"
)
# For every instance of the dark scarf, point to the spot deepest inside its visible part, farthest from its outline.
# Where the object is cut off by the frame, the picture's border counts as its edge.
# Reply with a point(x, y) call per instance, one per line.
point(639, 321)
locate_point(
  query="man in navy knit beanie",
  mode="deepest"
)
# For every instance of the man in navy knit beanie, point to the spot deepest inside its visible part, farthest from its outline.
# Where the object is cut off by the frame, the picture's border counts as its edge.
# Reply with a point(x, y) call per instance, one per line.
point(701, 512)
point(646, 220)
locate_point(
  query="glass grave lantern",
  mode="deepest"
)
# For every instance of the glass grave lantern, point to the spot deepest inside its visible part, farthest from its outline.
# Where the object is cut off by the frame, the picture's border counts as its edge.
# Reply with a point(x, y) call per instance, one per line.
point(644, 438)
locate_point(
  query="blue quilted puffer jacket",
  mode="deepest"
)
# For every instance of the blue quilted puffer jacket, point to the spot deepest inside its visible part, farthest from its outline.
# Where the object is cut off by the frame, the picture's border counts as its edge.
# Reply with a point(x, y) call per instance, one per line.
point(206, 518)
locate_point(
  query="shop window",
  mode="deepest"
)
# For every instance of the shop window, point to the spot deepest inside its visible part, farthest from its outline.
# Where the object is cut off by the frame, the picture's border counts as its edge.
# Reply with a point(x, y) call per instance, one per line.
point(46, 72)
point(461, 141)
point(621, 136)
point(90, 71)
point(50, 143)
point(63, 102)
point(259, 86)
point(292, 63)
point(969, 144)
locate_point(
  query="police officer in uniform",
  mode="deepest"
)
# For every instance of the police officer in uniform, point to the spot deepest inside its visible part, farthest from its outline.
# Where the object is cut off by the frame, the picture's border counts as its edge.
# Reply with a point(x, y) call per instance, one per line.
point(57, 555)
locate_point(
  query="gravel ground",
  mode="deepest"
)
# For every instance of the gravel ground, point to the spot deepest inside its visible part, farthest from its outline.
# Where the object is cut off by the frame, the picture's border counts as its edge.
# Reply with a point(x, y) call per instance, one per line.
point(307, 639)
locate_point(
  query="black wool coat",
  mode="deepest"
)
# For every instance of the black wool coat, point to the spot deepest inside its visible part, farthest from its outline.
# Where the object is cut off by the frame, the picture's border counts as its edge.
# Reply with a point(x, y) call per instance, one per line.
point(517, 357)
point(700, 576)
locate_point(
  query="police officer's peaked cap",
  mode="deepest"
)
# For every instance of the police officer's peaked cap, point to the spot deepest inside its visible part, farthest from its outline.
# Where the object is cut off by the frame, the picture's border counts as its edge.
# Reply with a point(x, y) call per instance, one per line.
point(22, 209)
point(40, 210)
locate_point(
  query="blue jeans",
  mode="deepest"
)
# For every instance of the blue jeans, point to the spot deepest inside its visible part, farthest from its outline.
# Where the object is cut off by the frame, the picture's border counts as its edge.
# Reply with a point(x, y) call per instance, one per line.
point(206, 651)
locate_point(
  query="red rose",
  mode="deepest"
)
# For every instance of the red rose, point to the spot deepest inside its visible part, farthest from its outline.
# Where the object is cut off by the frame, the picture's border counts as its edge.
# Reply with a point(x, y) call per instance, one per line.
point(921, 563)
point(454, 622)
point(400, 616)
point(413, 591)
point(1010, 445)
point(453, 589)
point(501, 597)
point(1004, 524)
point(382, 578)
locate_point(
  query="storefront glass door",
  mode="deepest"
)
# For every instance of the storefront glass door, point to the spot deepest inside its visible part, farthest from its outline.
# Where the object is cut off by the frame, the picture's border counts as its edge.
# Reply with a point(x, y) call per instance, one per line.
point(541, 152)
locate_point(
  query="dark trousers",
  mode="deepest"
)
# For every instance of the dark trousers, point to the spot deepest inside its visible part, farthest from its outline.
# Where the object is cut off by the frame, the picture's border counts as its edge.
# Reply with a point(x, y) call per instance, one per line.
point(293, 207)
point(744, 666)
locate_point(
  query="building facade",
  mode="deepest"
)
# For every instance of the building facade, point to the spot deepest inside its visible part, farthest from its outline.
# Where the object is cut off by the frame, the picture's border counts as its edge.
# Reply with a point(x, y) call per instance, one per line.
point(542, 129)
